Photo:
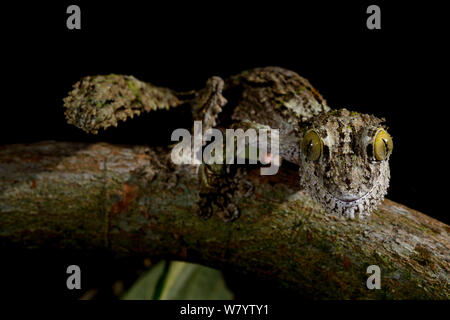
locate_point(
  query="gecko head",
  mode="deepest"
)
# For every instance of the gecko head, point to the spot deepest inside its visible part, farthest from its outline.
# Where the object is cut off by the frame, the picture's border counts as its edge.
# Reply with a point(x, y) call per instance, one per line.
point(344, 161)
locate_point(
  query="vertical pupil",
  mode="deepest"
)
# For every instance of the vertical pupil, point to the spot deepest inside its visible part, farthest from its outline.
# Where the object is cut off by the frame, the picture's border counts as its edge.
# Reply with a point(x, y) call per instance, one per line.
point(310, 146)
point(386, 146)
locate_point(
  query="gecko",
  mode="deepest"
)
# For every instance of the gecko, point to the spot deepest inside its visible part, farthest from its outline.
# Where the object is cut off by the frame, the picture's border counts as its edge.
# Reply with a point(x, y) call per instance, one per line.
point(342, 156)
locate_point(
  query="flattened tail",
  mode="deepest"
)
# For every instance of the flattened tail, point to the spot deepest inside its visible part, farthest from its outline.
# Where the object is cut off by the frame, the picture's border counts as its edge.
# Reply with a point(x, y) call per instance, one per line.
point(103, 101)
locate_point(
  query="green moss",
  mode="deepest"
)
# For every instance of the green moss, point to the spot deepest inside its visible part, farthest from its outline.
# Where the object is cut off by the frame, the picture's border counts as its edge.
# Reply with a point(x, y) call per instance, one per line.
point(280, 102)
point(135, 90)
point(100, 104)
point(334, 113)
point(111, 78)
point(300, 89)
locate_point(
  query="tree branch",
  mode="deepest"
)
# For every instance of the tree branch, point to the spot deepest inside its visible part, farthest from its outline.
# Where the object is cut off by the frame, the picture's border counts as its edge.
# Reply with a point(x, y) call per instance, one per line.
point(133, 200)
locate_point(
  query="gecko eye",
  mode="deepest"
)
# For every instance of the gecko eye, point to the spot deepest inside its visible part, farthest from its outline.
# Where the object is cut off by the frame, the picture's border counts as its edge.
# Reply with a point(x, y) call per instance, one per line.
point(312, 146)
point(382, 145)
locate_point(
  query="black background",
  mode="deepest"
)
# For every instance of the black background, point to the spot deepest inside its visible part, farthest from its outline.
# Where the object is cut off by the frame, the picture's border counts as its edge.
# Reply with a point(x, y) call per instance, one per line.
point(398, 72)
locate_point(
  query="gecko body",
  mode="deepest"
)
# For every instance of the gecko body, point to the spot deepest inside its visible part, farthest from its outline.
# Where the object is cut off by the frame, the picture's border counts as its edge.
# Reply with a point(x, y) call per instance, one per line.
point(343, 156)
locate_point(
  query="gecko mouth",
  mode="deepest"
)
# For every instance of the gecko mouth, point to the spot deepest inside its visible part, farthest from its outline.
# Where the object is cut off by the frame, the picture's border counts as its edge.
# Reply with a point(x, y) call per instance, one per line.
point(352, 199)
point(348, 203)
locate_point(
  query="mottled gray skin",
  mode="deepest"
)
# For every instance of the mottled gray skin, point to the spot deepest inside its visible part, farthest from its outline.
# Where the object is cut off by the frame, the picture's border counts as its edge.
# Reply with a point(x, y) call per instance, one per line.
point(100, 102)
point(346, 179)
point(280, 99)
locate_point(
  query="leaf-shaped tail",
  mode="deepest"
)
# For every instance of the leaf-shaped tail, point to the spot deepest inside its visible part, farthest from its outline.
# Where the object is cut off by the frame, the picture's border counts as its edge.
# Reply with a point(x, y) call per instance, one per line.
point(102, 101)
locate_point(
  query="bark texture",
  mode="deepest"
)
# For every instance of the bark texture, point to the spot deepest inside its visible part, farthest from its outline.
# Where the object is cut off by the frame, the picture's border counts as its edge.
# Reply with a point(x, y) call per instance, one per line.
point(132, 200)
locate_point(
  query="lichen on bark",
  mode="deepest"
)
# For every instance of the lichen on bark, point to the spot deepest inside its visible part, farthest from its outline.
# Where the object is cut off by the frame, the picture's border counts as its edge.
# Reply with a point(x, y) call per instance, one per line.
point(134, 201)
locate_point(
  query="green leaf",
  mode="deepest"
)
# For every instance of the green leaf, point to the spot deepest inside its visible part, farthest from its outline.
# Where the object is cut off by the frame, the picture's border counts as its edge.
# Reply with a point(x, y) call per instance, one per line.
point(179, 280)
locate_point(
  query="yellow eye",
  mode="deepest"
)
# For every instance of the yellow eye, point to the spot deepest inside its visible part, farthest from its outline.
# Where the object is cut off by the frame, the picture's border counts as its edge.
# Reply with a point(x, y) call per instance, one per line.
point(312, 145)
point(382, 145)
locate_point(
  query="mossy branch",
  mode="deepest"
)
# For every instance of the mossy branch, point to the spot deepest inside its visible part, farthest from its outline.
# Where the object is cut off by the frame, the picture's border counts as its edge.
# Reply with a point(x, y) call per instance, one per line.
point(134, 201)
